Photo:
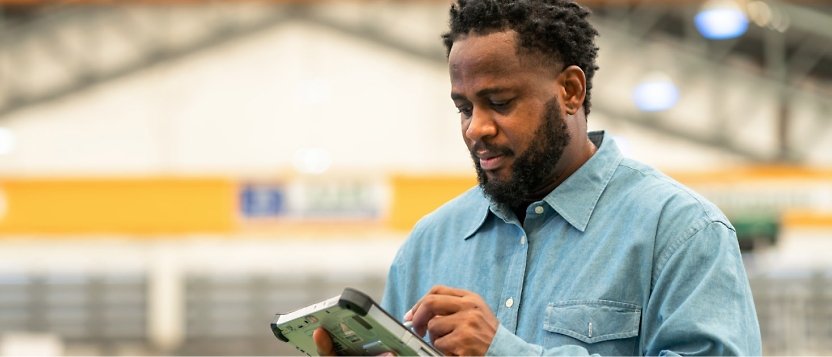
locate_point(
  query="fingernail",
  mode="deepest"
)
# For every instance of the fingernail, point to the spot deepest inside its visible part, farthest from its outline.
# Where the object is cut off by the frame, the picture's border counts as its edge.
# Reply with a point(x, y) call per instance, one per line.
point(408, 315)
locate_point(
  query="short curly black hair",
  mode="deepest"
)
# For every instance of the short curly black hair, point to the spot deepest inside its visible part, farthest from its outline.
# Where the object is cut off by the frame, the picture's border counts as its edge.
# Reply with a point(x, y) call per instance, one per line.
point(557, 29)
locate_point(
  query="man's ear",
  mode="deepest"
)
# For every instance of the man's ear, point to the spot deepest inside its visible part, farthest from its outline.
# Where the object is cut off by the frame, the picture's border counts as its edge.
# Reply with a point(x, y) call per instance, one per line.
point(572, 82)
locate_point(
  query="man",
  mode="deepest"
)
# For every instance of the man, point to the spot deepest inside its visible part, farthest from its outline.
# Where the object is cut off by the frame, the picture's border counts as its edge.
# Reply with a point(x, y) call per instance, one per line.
point(566, 247)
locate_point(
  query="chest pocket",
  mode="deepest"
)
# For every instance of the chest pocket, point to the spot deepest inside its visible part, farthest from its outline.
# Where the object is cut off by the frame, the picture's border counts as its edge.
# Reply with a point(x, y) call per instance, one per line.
point(593, 321)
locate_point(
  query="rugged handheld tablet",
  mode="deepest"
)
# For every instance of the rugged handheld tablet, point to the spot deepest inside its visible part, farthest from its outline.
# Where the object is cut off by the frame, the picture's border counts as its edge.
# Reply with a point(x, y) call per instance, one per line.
point(358, 326)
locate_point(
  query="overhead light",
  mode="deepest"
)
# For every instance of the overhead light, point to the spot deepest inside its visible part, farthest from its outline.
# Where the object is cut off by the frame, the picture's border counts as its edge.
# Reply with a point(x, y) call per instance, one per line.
point(721, 20)
point(759, 12)
point(313, 161)
point(780, 21)
point(7, 141)
point(656, 93)
point(765, 15)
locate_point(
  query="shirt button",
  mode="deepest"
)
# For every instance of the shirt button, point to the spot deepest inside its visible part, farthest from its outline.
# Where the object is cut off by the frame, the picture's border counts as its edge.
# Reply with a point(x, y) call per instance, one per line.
point(522, 240)
point(538, 210)
point(509, 302)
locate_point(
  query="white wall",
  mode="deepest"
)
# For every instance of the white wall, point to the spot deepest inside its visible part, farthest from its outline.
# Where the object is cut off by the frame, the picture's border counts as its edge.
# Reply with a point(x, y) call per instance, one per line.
point(246, 107)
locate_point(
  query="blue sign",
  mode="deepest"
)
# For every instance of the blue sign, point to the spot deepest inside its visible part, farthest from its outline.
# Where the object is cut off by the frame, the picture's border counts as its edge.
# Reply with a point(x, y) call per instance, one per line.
point(262, 201)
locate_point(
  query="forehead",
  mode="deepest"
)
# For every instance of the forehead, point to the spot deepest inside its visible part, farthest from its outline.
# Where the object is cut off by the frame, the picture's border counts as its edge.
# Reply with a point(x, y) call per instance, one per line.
point(495, 52)
point(492, 57)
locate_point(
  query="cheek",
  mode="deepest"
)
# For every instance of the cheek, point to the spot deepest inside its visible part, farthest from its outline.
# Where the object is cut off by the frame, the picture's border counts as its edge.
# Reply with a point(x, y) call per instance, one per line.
point(519, 133)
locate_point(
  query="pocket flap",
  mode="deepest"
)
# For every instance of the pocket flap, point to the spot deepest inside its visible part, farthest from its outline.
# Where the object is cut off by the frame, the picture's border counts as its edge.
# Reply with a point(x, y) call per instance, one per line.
point(592, 321)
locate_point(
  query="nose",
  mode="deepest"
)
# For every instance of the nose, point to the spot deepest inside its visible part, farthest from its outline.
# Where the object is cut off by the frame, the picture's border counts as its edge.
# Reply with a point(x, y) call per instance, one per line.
point(481, 125)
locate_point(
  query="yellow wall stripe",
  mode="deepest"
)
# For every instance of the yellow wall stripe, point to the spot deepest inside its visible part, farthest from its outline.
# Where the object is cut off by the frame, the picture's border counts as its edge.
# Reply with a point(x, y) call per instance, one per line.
point(806, 219)
point(416, 196)
point(126, 206)
point(147, 206)
point(752, 174)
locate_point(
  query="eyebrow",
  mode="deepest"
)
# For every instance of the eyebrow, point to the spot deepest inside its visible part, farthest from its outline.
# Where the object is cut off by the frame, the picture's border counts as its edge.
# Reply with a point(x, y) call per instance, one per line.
point(481, 93)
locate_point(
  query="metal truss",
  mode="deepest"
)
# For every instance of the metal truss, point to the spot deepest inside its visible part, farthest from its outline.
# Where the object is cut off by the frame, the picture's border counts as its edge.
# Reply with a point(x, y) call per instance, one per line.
point(780, 65)
point(72, 44)
point(786, 66)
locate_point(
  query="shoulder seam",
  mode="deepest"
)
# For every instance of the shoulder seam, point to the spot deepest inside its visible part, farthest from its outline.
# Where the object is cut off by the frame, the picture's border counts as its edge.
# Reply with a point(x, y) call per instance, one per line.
point(668, 252)
point(705, 212)
point(706, 217)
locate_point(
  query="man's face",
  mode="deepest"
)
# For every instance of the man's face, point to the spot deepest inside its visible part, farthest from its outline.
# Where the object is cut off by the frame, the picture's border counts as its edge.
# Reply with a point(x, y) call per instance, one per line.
point(511, 119)
point(531, 168)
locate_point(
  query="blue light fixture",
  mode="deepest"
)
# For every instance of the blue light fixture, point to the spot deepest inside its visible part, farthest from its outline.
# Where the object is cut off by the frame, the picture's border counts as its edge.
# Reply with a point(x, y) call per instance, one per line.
point(656, 93)
point(721, 20)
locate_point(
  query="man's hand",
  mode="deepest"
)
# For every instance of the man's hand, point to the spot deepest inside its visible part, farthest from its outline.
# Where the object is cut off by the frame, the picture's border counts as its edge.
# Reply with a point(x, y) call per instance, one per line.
point(324, 342)
point(459, 322)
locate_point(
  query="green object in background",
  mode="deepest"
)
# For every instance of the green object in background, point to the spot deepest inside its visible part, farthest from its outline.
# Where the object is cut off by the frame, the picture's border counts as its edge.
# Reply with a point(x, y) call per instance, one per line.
point(756, 231)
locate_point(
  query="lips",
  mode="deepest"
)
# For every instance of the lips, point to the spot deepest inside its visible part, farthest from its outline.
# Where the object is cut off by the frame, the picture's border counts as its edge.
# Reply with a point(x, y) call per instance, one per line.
point(490, 156)
point(490, 161)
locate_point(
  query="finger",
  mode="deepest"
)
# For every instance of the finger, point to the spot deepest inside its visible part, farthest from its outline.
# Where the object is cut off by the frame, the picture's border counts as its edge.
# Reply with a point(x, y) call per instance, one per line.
point(446, 345)
point(438, 327)
point(436, 290)
point(447, 290)
point(433, 306)
point(323, 342)
point(439, 305)
point(466, 333)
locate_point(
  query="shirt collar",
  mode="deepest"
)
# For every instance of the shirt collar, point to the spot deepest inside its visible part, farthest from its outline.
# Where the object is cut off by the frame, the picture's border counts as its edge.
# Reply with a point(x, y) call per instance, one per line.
point(575, 198)
point(481, 214)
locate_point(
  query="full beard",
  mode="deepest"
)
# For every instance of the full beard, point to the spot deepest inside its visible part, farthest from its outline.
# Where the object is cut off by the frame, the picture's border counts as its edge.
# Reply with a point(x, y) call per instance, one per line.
point(532, 167)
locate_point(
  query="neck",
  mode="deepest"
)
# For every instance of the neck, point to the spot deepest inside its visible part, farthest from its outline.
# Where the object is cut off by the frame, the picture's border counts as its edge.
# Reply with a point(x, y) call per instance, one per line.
point(579, 155)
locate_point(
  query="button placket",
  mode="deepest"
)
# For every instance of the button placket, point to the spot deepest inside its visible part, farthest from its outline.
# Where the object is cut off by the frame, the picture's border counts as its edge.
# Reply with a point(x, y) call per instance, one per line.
point(512, 292)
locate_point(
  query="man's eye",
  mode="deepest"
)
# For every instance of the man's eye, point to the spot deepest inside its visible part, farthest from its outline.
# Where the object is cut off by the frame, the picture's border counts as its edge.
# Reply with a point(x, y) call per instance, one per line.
point(465, 111)
point(500, 104)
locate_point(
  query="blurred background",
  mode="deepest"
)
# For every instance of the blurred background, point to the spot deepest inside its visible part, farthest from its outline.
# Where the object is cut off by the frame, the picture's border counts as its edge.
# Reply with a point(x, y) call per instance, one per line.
point(174, 174)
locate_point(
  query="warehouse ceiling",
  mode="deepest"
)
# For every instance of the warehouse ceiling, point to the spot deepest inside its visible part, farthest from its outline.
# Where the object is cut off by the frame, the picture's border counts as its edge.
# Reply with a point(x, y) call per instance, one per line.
point(795, 60)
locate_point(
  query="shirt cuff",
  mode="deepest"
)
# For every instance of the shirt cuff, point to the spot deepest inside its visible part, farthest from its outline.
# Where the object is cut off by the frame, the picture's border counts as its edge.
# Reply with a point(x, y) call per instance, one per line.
point(506, 343)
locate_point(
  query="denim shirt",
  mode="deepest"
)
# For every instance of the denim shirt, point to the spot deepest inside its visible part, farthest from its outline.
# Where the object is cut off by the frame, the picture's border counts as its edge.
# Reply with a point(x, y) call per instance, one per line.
point(618, 260)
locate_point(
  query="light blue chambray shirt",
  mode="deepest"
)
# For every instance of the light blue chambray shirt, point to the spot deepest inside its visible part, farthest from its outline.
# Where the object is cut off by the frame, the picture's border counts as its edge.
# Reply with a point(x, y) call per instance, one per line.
point(619, 259)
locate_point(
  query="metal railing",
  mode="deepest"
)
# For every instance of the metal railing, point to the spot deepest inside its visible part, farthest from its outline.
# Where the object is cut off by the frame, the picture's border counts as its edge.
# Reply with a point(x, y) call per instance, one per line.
point(795, 312)
point(104, 311)
point(230, 314)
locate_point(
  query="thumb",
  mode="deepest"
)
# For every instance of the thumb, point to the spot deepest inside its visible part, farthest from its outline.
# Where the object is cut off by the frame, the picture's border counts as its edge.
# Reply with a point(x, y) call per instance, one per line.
point(324, 342)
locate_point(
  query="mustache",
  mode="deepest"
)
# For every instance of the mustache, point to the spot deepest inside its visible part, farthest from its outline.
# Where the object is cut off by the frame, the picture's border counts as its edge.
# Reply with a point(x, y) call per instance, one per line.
point(483, 146)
